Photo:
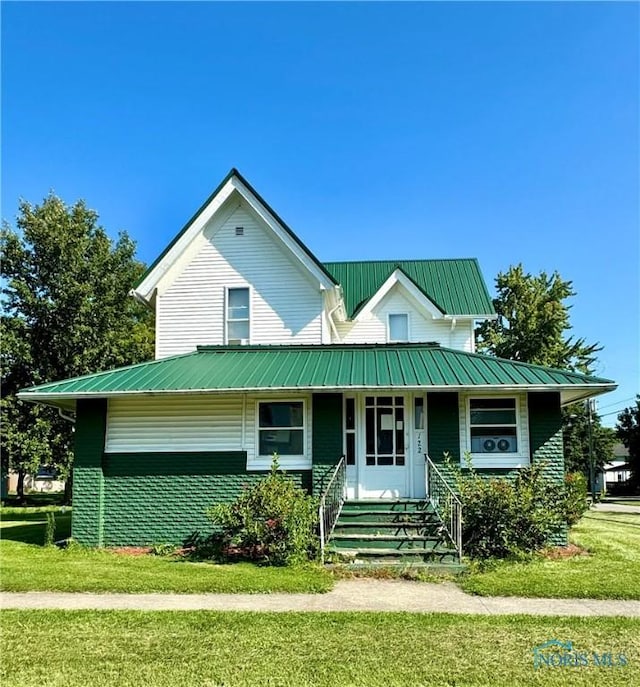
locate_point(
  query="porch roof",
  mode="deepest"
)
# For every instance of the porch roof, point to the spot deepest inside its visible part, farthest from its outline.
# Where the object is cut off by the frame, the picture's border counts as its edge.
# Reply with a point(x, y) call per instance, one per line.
point(226, 369)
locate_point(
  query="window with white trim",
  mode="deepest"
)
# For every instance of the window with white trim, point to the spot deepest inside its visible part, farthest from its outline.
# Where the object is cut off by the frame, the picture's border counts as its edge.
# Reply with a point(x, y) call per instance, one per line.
point(493, 426)
point(398, 327)
point(238, 315)
point(281, 429)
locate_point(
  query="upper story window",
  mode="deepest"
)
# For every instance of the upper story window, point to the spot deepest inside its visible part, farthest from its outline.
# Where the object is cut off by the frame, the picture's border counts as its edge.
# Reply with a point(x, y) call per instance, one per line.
point(493, 426)
point(398, 329)
point(238, 316)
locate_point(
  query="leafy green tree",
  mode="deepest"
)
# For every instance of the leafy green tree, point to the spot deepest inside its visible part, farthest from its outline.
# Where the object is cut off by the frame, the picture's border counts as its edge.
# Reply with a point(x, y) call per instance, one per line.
point(628, 431)
point(576, 439)
point(533, 319)
point(65, 311)
point(532, 326)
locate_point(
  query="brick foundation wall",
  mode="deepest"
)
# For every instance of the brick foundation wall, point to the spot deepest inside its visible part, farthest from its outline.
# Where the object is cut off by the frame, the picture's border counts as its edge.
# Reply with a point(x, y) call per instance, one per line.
point(164, 497)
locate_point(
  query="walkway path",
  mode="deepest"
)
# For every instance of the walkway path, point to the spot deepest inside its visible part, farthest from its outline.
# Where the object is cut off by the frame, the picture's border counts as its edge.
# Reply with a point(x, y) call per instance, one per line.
point(616, 507)
point(347, 595)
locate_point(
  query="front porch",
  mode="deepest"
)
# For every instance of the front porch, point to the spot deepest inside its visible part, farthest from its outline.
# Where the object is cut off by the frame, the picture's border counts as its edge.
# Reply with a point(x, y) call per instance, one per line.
point(408, 531)
point(391, 531)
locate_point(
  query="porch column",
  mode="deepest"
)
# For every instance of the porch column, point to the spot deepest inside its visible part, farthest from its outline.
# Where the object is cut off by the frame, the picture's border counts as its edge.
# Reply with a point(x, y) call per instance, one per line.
point(326, 425)
point(545, 440)
point(88, 478)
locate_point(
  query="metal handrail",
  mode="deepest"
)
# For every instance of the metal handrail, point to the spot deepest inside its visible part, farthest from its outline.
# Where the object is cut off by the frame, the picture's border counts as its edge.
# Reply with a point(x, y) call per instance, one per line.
point(445, 502)
point(331, 502)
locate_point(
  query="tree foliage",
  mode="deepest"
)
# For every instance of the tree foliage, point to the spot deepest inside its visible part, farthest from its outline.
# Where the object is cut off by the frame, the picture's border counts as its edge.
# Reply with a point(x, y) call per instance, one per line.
point(628, 431)
point(576, 439)
point(533, 319)
point(65, 312)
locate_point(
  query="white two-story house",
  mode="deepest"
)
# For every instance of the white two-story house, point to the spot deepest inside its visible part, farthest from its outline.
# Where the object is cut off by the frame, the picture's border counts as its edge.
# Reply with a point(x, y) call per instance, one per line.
point(261, 348)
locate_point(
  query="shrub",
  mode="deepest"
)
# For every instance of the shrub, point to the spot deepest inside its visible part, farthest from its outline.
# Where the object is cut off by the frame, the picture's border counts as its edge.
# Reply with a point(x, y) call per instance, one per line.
point(164, 549)
point(509, 517)
point(50, 529)
point(575, 501)
point(273, 521)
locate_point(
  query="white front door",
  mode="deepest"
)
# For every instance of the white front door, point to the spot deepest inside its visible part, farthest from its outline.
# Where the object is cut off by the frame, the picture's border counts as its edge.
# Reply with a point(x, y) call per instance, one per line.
point(383, 457)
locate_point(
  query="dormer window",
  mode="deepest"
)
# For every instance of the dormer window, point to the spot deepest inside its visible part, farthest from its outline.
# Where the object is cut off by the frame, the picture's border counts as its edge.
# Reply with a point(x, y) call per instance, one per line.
point(398, 328)
point(238, 316)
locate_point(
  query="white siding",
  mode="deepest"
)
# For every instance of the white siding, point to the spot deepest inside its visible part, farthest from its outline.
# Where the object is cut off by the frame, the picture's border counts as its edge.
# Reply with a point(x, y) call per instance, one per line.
point(286, 306)
point(461, 337)
point(488, 460)
point(422, 327)
point(197, 423)
point(176, 423)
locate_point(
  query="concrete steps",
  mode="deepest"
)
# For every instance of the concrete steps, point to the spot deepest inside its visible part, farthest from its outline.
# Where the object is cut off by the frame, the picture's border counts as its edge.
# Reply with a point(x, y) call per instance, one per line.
point(400, 532)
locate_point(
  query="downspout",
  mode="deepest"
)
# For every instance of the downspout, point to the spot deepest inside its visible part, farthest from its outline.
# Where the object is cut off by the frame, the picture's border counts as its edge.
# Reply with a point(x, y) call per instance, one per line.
point(332, 324)
point(140, 299)
point(454, 322)
point(71, 419)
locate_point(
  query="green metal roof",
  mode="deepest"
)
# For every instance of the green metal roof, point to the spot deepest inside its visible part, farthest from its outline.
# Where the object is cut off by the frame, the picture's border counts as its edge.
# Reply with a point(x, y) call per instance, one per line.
point(455, 286)
point(243, 368)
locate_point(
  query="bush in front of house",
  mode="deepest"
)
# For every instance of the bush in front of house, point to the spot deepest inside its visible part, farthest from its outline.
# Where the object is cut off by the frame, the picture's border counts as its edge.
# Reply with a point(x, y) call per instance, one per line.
point(504, 518)
point(576, 503)
point(273, 521)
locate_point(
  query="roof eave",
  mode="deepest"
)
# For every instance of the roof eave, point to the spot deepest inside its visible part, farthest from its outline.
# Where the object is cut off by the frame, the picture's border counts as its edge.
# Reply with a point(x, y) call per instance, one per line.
point(583, 391)
point(465, 316)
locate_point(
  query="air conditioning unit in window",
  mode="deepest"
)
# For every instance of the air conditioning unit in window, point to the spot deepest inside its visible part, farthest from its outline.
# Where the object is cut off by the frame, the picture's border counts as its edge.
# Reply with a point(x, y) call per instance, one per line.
point(238, 342)
point(497, 444)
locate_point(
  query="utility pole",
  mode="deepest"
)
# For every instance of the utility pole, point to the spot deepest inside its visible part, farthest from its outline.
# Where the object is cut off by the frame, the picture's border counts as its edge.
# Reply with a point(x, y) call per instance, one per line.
point(592, 466)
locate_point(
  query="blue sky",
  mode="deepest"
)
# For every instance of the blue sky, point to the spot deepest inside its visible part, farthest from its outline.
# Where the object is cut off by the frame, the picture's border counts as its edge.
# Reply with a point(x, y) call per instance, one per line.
point(504, 131)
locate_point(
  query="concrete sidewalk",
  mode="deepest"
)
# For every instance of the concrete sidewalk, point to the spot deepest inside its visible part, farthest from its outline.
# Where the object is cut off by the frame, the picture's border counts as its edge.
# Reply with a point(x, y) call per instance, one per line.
point(615, 508)
point(347, 595)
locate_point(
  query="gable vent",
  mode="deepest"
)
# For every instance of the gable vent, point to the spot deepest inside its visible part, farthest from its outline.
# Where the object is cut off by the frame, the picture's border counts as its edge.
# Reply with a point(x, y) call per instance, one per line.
point(239, 231)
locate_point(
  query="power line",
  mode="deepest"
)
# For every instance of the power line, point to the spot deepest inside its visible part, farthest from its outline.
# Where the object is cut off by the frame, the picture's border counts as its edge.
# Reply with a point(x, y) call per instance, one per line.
point(624, 400)
point(613, 412)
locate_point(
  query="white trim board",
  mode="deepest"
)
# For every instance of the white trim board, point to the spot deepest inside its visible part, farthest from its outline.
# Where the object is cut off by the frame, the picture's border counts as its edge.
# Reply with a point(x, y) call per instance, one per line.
point(400, 278)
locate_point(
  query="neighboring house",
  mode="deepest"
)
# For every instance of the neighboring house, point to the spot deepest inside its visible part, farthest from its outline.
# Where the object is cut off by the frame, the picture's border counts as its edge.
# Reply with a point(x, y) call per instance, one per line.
point(616, 473)
point(619, 469)
point(44, 480)
point(262, 348)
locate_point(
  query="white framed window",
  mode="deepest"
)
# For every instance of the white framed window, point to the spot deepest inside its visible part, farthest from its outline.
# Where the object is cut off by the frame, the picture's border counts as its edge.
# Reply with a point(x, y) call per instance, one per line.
point(238, 321)
point(398, 327)
point(494, 429)
point(281, 429)
point(493, 426)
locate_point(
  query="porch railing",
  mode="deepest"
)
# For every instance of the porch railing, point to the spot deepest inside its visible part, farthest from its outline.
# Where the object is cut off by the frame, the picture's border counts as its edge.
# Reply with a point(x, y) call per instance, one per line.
point(445, 502)
point(331, 502)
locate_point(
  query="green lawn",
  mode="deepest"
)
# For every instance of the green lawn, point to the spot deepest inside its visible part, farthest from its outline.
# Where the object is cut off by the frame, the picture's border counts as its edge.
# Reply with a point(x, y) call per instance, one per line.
point(610, 571)
point(45, 498)
point(111, 648)
point(27, 565)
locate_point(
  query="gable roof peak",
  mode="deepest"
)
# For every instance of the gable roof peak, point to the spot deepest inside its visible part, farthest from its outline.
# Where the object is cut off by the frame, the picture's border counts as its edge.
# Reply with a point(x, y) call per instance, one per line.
point(455, 285)
point(144, 290)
